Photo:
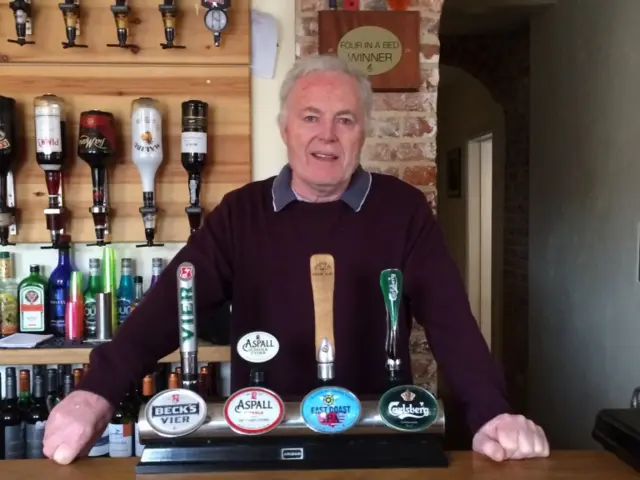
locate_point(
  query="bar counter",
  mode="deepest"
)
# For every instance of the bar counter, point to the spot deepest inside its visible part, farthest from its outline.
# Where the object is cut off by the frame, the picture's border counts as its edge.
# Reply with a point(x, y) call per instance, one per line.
point(565, 465)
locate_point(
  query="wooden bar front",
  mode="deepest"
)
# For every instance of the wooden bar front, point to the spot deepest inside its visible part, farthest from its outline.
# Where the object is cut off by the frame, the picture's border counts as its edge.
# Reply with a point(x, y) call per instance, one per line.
point(565, 465)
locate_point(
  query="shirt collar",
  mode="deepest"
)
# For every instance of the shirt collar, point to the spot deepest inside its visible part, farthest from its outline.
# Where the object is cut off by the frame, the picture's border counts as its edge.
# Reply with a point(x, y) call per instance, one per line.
point(356, 193)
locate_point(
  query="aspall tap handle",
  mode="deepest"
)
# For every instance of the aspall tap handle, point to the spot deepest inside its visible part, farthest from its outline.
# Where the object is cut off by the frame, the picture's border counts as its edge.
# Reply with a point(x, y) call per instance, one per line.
point(391, 284)
point(257, 348)
point(188, 325)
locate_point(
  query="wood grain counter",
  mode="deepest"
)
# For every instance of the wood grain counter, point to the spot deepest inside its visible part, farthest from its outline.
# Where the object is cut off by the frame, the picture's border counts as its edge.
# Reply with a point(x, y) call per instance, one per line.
point(565, 465)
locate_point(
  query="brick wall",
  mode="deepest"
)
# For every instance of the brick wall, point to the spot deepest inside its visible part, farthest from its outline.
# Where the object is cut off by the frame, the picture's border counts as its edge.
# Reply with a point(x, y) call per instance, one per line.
point(402, 141)
point(501, 63)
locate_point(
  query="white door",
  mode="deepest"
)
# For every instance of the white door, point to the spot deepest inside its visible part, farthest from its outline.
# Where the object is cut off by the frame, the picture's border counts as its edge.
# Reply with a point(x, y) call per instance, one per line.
point(479, 229)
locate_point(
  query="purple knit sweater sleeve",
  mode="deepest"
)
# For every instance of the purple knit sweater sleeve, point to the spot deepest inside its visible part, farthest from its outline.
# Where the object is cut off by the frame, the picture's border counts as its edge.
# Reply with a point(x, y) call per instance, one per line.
point(440, 304)
point(151, 331)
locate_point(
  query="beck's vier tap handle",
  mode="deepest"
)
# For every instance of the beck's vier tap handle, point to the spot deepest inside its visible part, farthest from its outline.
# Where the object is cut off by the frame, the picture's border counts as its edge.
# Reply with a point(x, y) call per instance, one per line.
point(391, 286)
point(188, 329)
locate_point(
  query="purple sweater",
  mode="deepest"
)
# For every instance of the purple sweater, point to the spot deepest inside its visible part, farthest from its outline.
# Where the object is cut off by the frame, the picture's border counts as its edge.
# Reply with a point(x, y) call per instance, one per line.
point(254, 250)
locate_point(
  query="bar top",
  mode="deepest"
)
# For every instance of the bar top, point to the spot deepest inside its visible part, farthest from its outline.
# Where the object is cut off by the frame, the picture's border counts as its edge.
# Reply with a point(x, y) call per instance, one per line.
point(565, 465)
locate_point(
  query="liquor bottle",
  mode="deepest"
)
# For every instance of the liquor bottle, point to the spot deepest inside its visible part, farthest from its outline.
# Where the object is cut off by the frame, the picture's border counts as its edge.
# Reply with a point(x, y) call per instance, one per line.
point(139, 293)
point(50, 134)
point(8, 297)
point(126, 290)
point(94, 286)
point(24, 397)
point(36, 420)
point(204, 381)
point(53, 395)
point(121, 430)
point(33, 296)
point(78, 373)
point(67, 385)
point(11, 419)
point(147, 394)
point(156, 269)
point(59, 287)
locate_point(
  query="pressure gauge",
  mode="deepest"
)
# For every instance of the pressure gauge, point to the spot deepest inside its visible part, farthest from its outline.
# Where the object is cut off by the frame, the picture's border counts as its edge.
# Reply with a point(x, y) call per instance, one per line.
point(216, 20)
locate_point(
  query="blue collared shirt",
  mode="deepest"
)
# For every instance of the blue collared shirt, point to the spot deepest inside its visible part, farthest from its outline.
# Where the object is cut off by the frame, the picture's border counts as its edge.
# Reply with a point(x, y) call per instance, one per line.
point(354, 196)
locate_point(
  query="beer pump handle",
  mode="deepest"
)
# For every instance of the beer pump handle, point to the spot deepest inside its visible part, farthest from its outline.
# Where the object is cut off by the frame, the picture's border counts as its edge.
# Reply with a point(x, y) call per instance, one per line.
point(322, 269)
point(188, 326)
point(391, 285)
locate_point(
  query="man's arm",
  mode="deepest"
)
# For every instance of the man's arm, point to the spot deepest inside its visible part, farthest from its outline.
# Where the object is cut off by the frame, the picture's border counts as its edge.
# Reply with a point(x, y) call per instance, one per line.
point(151, 331)
point(439, 301)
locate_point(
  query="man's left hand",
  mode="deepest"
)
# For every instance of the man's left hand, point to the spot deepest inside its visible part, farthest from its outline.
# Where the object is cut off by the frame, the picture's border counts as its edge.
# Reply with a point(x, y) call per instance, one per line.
point(510, 437)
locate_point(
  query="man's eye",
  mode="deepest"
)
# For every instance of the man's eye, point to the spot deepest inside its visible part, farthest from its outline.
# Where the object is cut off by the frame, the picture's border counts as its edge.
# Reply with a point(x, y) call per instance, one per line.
point(345, 121)
point(310, 118)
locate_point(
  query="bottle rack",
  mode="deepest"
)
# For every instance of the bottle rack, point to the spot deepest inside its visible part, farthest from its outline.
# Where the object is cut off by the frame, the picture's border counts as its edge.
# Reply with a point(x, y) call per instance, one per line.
point(100, 77)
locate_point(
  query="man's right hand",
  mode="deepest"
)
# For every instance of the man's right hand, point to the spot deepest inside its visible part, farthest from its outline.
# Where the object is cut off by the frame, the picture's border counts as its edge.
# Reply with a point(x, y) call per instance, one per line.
point(74, 425)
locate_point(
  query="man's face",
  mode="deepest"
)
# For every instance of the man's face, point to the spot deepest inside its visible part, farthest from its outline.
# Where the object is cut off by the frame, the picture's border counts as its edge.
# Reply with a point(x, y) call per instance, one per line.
point(324, 129)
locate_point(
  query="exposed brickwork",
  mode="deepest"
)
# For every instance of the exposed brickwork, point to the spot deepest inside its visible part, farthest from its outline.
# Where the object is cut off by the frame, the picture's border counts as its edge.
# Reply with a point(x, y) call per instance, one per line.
point(402, 139)
point(501, 63)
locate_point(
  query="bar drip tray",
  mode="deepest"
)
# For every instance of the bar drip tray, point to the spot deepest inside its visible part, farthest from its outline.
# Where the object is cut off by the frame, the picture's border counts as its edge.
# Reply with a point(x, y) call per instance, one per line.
point(618, 431)
point(305, 452)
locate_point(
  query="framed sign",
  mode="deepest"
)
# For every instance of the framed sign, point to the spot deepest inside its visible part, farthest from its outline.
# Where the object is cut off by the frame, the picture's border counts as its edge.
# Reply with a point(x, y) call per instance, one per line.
point(382, 44)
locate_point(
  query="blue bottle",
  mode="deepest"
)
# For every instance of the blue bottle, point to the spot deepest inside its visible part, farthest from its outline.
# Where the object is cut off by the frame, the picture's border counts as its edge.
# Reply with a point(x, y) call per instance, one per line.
point(126, 292)
point(59, 287)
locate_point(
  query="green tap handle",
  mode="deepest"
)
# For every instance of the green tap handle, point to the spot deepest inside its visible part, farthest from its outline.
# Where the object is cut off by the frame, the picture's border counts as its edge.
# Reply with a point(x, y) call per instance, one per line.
point(391, 285)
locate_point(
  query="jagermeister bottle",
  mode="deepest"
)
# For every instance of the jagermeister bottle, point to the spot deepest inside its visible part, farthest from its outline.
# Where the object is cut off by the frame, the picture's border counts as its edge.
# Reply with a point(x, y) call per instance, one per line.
point(8, 297)
point(32, 297)
point(94, 286)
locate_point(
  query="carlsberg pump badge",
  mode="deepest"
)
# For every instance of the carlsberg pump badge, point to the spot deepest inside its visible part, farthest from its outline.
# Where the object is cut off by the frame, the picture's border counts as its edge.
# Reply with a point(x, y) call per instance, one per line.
point(408, 408)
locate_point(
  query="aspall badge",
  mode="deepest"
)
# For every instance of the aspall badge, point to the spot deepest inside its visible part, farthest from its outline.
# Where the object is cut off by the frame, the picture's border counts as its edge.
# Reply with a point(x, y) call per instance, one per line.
point(258, 347)
point(177, 412)
point(408, 408)
point(253, 411)
point(330, 410)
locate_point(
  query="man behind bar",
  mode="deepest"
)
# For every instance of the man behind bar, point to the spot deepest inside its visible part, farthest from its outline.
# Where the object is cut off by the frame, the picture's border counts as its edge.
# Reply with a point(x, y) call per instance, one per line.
point(254, 250)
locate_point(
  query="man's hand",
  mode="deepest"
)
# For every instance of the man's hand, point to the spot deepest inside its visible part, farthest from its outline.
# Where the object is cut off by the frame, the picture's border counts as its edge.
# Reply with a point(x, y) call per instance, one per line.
point(511, 437)
point(74, 425)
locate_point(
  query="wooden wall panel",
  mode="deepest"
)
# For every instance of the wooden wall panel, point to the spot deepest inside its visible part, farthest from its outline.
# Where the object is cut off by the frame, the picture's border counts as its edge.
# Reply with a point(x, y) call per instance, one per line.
point(111, 83)
point(97, 29)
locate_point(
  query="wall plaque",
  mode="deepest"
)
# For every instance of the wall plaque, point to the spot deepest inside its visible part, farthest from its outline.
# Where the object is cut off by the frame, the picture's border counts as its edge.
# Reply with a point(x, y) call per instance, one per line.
point(384, 45)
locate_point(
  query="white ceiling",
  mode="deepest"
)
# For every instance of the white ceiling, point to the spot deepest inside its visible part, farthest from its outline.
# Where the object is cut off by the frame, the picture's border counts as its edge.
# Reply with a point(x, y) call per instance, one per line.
point(467, 17)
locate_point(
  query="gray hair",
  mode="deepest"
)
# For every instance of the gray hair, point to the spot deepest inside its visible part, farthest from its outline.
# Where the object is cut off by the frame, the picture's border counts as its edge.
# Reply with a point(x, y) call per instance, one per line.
point(325, 63)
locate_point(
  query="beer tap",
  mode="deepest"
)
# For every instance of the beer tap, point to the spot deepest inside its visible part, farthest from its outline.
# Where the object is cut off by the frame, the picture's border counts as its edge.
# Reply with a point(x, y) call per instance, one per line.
point(216, 18)
point(50, 129)
point(96, 146)
point(188, 326)
point(8, 154)
point(194, 154)
point(121, 13)
point(391, 281)
point(22, 17)
point(168, 10)
point(70, 13)
point(147, 153)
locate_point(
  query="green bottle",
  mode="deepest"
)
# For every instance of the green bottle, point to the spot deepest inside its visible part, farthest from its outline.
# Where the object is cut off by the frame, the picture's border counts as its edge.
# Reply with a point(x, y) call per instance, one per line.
point(32, 298)
point(94, 286)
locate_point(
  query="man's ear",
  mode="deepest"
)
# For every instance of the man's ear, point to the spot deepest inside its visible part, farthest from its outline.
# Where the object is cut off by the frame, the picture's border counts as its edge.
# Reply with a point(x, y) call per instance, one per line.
point(283, 132)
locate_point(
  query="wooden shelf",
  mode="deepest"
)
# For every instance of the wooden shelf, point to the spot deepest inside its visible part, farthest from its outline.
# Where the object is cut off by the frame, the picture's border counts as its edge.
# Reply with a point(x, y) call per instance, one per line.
point(42, 356)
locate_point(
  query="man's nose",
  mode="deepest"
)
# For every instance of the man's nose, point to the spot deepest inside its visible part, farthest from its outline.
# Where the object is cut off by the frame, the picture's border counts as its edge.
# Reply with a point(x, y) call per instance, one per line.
point(328, 131)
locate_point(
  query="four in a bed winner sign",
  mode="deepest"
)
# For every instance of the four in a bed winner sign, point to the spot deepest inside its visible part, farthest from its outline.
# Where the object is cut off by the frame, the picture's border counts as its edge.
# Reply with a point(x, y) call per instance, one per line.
point(383, 45)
